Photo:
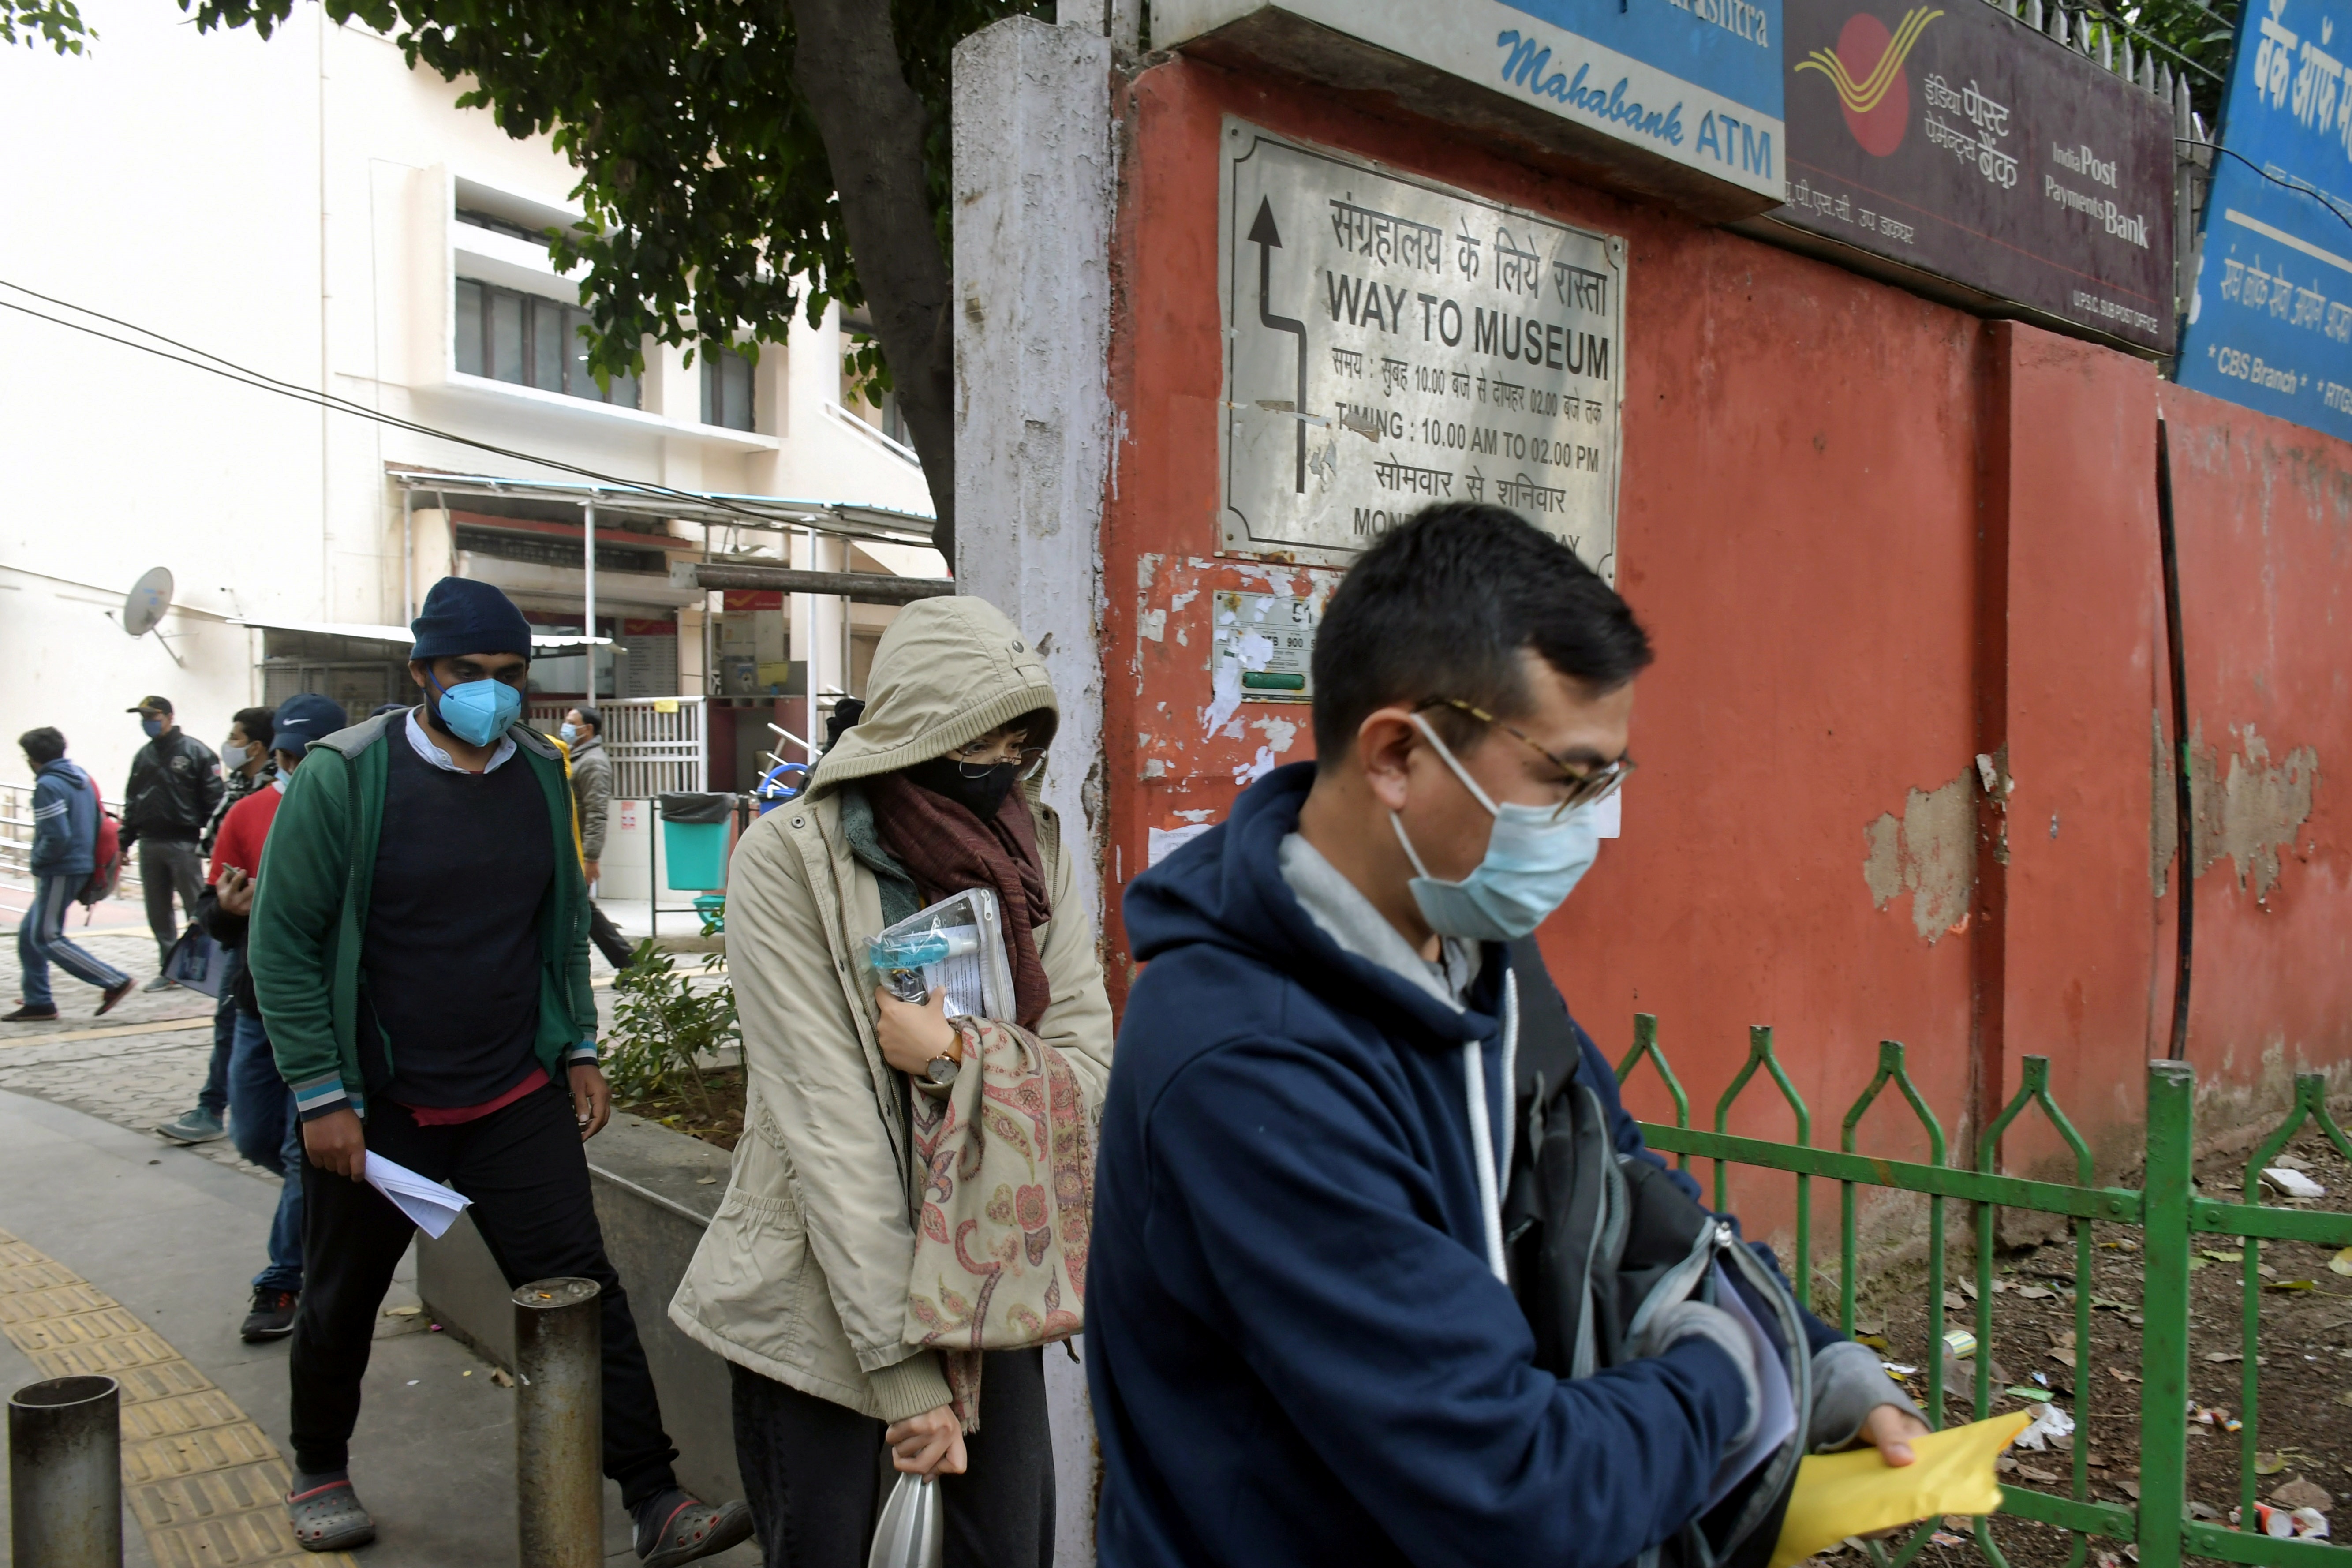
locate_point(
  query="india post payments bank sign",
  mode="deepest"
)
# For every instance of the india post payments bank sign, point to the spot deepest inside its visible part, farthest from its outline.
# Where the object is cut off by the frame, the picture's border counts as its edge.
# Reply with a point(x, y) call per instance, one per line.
point(2270, 322)
point(1696, 82)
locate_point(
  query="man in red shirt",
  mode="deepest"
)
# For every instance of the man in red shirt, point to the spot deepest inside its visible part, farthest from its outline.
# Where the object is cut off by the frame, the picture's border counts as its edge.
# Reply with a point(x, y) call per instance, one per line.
point(262, 1118)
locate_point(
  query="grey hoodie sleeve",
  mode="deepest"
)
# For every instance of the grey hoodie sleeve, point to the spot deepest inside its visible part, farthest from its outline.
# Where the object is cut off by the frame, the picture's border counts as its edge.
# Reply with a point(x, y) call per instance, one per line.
point(1848, 1385)
point(592, 787)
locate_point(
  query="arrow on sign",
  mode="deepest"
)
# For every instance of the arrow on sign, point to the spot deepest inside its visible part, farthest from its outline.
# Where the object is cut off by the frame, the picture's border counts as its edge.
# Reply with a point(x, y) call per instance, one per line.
point(1268, 239)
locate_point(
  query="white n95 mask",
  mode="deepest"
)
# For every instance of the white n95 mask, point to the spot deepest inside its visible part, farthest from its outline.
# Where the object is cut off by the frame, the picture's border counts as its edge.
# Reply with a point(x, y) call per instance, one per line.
point(1534, 857)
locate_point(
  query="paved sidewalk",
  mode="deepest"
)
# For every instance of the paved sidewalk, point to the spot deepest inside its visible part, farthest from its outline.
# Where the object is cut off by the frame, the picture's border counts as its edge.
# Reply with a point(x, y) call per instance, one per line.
point(174, 1234)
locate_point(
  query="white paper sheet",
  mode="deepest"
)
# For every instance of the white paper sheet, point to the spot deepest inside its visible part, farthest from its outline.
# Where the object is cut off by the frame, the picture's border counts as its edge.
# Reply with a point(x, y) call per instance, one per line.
point(432, 1206)
point(1777, 1419)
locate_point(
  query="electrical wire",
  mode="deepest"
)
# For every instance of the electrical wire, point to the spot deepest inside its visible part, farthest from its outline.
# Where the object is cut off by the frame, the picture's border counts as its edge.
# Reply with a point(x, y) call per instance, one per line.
point(2313, 192)
point(244, 375)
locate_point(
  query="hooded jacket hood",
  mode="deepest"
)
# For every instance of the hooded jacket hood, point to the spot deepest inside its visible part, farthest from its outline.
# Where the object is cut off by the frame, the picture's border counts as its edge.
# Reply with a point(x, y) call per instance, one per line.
point(1222, 890)
point(945, 672)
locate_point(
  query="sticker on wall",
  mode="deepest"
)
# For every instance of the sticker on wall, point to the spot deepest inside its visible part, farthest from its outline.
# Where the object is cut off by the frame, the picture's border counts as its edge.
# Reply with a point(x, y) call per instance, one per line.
point(1390, 342)
point(1262, 646)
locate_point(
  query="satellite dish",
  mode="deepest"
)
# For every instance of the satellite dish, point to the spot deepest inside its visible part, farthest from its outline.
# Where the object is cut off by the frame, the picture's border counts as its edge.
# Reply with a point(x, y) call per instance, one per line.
point(149, 601)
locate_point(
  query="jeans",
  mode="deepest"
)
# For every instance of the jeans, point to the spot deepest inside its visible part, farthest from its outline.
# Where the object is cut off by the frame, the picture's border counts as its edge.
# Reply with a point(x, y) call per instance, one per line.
point(813, 1470)
point(525, 1170)
point(41, 941)
point(265, 1129)
point(213, 1098)
point(167, 866)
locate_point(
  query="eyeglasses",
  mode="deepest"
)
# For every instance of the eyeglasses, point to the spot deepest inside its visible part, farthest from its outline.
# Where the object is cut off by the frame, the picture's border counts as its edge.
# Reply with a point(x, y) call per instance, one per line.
point(1586, 785)
point(972, 759)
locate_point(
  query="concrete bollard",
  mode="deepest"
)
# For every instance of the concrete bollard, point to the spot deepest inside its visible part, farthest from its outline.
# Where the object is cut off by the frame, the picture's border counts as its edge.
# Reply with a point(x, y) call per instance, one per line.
point(559, 1422)
point(65, 1473)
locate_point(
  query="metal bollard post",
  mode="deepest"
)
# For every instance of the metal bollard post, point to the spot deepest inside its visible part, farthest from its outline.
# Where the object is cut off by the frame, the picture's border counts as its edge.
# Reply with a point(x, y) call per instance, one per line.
point(65, 1473)
point(559, 1422)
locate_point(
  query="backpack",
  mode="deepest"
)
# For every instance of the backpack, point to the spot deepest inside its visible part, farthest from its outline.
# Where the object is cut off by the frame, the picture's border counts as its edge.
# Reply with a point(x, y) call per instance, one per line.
point(1597, 1242)
point(106, 853)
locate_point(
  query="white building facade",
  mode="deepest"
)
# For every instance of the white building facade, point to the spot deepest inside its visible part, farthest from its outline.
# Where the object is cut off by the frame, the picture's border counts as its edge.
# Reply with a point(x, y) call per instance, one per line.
point(310, 210)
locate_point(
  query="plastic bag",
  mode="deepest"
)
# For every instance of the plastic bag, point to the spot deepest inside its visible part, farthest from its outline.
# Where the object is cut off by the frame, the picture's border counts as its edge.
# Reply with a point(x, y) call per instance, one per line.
point(956, 945)
point(197, 962)
point(913, 1527)
point(1857, 1493)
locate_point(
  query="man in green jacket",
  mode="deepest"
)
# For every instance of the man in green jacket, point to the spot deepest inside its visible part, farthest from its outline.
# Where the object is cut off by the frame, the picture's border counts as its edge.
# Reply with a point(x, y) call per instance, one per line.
point(419, 949)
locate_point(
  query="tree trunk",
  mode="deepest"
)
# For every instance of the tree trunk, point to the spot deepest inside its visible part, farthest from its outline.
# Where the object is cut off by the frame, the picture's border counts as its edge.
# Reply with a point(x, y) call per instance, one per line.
point(846, 65)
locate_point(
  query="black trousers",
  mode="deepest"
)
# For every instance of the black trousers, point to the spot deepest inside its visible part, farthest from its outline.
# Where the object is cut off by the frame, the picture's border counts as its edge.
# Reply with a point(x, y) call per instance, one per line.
point(608, 938)
point(815, 1472)
point(525, 1170)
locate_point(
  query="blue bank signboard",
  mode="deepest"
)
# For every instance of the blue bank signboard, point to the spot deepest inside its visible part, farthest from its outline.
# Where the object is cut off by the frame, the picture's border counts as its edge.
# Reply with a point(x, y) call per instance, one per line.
point(2270, 322)
point(1697, 82)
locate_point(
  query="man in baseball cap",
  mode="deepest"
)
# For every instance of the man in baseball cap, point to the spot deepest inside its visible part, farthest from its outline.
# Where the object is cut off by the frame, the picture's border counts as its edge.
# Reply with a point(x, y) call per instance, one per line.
point(262, 1118)
point(175, 785)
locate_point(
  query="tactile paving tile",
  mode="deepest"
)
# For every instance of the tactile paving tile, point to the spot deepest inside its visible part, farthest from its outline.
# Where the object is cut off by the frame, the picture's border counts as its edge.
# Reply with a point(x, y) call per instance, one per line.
point(53, 1302)
point(204, 1481)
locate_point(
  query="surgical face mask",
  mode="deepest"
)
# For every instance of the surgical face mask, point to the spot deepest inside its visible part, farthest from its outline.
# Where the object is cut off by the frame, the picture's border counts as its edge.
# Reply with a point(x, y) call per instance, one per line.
point(570, 732)
point(1534, 857)
point(477, 711)
point(978, 789)
point(278, 784)
point(234, 756)
point(152, 727)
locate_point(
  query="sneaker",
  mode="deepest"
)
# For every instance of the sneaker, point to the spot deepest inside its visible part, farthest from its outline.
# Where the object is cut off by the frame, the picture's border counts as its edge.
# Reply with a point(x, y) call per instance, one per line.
point(675, 1528)
point(113, 994)
point(272, 1317)
point(198, 1126)
point(28, 1014)
point(161, 983)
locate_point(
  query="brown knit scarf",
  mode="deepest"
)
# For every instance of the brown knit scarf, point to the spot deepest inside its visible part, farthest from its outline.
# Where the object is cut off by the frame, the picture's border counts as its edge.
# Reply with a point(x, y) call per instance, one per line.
point(947, 849)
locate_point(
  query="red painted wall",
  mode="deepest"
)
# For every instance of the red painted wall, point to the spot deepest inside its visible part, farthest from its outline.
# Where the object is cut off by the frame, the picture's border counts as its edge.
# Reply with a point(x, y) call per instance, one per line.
point(2264, 513)
point(1871, 537)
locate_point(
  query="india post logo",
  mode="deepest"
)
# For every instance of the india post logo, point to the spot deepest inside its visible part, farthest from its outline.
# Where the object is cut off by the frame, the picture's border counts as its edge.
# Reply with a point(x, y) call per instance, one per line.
point(1866, 68)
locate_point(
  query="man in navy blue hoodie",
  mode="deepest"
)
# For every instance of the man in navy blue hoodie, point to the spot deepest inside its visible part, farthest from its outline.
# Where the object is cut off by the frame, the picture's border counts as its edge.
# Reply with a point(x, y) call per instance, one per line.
point(1302, 1346)
point(65, 852)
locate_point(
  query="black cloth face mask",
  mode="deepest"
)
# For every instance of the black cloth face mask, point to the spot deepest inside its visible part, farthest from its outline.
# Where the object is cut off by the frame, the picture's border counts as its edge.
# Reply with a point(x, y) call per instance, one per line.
point(979, 790)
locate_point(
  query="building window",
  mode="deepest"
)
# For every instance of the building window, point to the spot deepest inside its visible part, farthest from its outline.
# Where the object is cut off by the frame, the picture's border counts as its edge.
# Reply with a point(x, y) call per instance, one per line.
point(474, 218)
point(726, 388)
point(509, 336)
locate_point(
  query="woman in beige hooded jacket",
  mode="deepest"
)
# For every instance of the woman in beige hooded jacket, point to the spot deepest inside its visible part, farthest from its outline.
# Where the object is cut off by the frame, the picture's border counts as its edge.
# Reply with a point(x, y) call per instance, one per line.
point(801, 1282)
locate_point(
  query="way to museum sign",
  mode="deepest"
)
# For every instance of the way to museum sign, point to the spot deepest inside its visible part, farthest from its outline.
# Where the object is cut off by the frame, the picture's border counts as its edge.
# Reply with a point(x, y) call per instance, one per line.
point(1390, 342)
point(1691, 84)
point(2270, 324)
point(1954, 140)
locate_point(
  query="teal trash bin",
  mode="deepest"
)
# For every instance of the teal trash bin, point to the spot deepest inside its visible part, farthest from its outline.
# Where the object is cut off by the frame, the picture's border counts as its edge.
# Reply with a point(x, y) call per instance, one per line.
point(694, 839)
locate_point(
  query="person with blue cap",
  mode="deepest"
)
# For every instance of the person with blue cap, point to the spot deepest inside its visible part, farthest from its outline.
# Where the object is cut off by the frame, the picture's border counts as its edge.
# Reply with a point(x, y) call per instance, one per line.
point(261, 1108)
point(419, 947)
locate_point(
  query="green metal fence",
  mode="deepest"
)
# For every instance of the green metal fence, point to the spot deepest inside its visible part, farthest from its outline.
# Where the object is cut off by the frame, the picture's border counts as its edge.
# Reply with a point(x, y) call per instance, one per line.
point(2170, 1215)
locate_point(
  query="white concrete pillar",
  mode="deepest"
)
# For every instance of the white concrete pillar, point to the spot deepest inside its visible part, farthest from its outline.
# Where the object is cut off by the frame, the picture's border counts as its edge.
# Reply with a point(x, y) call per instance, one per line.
point(1034, 156)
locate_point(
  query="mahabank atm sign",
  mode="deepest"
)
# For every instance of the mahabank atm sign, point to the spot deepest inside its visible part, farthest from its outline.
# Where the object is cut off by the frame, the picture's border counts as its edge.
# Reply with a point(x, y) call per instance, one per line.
point(1697, 83)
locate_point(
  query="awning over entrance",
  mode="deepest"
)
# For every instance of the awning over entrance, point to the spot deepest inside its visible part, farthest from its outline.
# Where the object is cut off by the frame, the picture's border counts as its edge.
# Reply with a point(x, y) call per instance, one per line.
point(772, 514)
point(365, 632)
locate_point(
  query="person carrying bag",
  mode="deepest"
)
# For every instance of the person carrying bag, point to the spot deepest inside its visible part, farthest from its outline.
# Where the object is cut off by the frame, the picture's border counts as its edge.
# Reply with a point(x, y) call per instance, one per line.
point(867, 1288)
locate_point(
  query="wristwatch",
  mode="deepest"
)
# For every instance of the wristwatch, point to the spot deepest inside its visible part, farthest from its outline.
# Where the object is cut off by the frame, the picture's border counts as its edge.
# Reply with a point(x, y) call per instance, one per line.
point(939, 1073)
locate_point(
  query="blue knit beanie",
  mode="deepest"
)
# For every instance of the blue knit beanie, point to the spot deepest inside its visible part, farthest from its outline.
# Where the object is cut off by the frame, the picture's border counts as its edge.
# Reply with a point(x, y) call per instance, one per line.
point(461, 615)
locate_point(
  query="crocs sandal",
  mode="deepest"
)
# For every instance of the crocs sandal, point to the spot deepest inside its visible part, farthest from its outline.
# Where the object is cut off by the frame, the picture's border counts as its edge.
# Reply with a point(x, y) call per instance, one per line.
point(693, 1530)
point(329, 1518)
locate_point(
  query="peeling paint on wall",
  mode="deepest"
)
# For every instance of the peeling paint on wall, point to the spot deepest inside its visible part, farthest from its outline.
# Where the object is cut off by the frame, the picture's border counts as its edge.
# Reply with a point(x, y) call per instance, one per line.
point(2254, 810)
point(2246, 811)
point(1929, 852)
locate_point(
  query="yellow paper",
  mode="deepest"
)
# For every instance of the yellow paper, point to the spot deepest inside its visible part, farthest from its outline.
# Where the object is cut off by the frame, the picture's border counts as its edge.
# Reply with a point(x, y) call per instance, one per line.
point(1856, 1493)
